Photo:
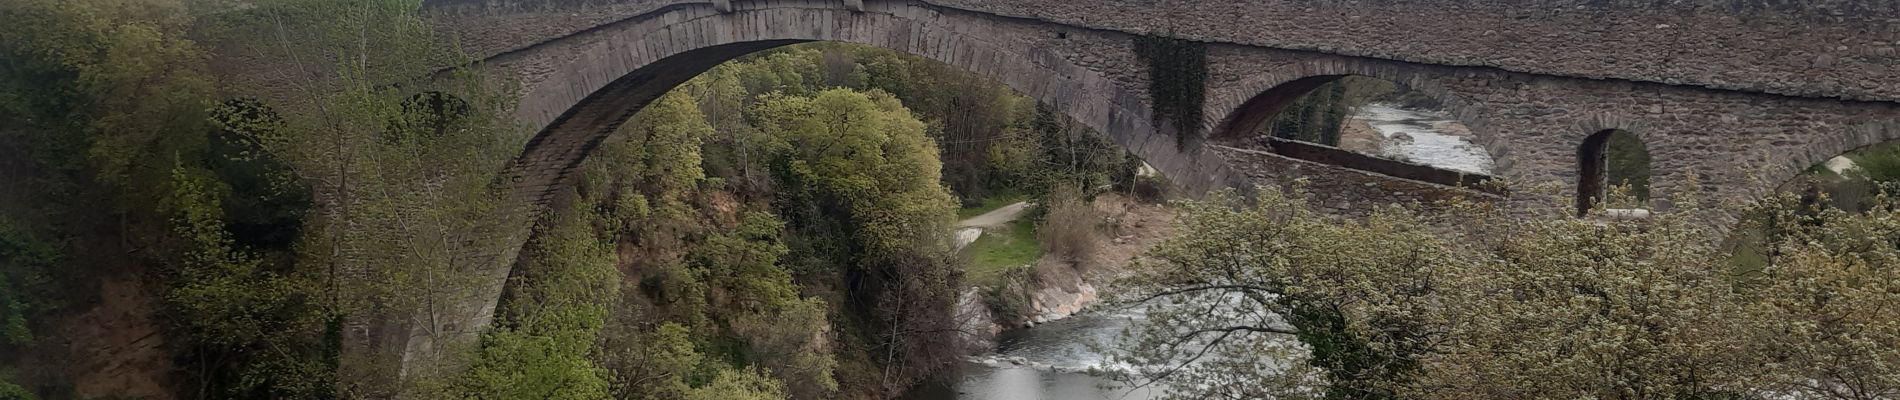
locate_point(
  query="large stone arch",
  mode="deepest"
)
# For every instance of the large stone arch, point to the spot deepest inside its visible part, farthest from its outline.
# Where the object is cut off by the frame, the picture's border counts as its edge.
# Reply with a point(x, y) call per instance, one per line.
point(577, 104)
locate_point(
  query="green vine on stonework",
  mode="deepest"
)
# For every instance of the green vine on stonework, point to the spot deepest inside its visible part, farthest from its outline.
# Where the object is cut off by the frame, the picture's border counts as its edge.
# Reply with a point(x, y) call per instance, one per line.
point(1177, 83)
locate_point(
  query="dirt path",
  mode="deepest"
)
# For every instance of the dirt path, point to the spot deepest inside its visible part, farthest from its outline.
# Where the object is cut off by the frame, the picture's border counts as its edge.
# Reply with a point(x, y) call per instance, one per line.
point(996, 217)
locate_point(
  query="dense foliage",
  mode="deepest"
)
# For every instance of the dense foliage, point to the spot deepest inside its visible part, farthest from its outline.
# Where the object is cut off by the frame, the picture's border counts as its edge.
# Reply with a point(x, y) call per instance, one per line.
point(1511, 307)
point(1177, 84)
point(1626, 165)
point(128, 165)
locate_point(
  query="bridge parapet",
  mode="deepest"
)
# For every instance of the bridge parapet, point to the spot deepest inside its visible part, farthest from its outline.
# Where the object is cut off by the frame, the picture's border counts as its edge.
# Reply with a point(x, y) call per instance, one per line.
point(1824, 48)
point(1818, 48)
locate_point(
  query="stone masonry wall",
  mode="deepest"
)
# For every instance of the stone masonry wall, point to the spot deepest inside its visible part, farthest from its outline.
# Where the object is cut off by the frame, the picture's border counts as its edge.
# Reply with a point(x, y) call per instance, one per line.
point(1828, 48)
point(1824, 48)
point(1736, 144)
point(1340, 191)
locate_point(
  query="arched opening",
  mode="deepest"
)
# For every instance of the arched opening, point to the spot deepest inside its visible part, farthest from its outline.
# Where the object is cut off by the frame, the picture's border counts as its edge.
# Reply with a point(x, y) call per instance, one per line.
point(773, 132)
point(1362, 123)
point(1613, 171)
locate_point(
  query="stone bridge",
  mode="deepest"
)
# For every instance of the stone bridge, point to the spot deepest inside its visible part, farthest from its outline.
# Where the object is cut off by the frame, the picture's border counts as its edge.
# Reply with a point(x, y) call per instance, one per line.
point(1740, 94)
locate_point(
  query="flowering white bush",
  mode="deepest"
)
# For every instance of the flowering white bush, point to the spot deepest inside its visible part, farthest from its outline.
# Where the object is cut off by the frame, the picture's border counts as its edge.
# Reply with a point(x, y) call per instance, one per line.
point(1272, 300)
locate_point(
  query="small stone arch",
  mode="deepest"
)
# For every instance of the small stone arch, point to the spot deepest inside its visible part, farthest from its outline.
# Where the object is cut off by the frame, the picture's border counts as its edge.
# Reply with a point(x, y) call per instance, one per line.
point(1594, 167)
point(1256, 100)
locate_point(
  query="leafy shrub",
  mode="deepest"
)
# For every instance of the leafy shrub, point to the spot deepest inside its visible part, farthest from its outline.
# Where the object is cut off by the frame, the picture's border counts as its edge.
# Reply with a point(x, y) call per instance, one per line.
point(9, 391)
point(1071, 229)
point(1009, 300)
point(24, 283)
point(1880, 164)
point(729, 384)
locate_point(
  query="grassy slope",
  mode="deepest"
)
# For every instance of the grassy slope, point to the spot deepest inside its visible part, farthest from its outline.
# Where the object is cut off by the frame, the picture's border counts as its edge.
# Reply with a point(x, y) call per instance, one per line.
point(1000, 250)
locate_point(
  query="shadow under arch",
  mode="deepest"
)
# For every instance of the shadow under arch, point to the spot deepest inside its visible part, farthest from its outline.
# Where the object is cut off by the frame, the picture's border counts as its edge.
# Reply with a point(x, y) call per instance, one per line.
point(1254, 114)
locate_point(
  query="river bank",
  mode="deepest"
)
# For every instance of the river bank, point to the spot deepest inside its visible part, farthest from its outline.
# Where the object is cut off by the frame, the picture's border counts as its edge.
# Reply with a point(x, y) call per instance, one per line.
point(1047, 350)
point(1058, 288)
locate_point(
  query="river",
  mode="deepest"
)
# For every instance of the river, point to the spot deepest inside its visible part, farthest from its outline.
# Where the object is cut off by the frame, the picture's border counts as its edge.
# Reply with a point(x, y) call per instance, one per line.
point(1047, 362)
point(1052, 361)
point(1435, 139)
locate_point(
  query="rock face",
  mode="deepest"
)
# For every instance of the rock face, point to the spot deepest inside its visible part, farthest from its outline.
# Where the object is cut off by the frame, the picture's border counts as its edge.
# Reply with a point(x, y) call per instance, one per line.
point(1056, 302)
point(966, 236)
point(1061, 288)
point(975, 322)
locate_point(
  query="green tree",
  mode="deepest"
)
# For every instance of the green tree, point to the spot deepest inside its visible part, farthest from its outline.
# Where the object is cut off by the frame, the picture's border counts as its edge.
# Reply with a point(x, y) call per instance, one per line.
point(26, 272)
point(555, 308)
point(738, 385)
point(1239, 284)
point(399, 175)
point(1824, 298)
point(864, 163)
point(762, 306)
point(1073, 158)
point(111, 99)
point(10, 391)
point(234, 301)
point(870, 154)
point(656, 364)
point(643, 175)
